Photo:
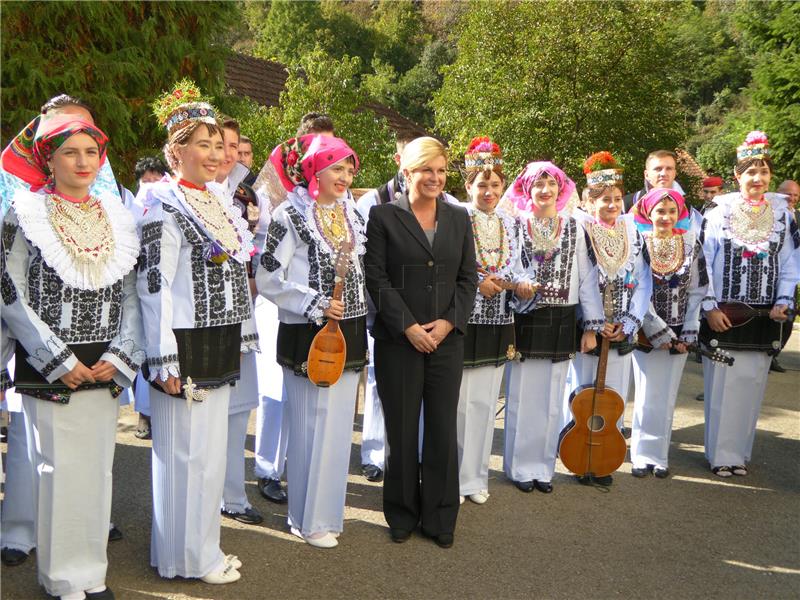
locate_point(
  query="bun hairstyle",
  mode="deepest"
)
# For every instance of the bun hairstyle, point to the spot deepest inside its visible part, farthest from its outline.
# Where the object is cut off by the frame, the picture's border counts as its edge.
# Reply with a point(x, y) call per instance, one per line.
point(754, 151)
point(602, 171)
point(483, 156)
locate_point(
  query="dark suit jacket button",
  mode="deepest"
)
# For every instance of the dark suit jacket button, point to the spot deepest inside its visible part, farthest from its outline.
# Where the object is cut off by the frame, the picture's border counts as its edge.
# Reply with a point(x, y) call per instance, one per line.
point(430, 263)
point(429, 287)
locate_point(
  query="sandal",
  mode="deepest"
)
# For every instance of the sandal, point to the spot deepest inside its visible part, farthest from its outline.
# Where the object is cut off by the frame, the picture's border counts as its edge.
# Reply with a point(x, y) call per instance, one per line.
point(739, 470)
point(143, 428)
point(721, 471)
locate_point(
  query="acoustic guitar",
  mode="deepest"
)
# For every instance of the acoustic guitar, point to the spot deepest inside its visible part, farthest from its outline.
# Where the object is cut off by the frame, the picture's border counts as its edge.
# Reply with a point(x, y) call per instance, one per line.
point(328, 349)
point(591, 445)
point(717, 355)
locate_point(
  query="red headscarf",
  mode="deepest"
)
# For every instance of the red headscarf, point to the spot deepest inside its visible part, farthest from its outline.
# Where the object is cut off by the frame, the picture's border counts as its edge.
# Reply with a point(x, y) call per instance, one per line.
point(27, 155)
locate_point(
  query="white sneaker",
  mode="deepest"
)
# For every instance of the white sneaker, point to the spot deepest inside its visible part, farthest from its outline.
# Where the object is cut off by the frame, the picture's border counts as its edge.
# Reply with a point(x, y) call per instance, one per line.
point(326, 540)
point(227, 574)
point(233, 560)
point(461, 499)
point(480, 498)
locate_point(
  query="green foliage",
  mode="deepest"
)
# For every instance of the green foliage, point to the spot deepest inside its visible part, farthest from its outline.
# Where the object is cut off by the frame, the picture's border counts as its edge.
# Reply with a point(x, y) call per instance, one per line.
point(323, 84)
point(601, 80)
point(118, 56)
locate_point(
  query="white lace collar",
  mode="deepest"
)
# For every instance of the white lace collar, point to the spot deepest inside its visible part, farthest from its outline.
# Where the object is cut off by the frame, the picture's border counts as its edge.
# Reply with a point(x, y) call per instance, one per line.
point(32, 214)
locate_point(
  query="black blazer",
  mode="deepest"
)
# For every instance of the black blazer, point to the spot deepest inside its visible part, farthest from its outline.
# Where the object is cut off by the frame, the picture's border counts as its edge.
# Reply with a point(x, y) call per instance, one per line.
point(409, 281)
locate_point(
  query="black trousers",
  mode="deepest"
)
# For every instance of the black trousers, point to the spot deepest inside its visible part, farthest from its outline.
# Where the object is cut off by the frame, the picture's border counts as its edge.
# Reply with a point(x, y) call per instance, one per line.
point(405, 378)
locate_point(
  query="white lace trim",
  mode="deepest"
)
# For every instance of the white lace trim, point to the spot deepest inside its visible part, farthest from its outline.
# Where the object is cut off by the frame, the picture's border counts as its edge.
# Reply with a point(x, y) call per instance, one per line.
point(247, 248)
point(31, 212)
point(634, 246)
point(726, 202)
point(689, 239)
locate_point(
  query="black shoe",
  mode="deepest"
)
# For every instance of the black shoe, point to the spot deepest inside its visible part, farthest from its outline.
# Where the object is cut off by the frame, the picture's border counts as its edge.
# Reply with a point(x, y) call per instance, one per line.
point(543, 486)
point(106, 594)
point(372, 472)
point(700, 397)
point(605, 480)
point(776, 366)
point(399, 535)
point(525, 486)
point(12, 557)
point(443, 540)
point(661, 472)
point(114, 534)
point(272, 490)
point(626, 432)
point(641, 472)
point(250, 516)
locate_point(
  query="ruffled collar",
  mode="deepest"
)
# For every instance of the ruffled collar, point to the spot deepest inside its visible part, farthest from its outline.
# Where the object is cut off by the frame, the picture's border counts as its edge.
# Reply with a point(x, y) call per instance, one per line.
point(246, 248)
point(33, 216)
point(632, 248)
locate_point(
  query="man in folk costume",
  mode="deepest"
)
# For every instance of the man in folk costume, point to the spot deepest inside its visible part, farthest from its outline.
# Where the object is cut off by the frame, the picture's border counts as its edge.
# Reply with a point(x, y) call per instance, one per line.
point(617, 252)
point(197, 316)
point(750, 241)
point(712, 187)
point(316, 227)
point(556, 258)
point(69, 299)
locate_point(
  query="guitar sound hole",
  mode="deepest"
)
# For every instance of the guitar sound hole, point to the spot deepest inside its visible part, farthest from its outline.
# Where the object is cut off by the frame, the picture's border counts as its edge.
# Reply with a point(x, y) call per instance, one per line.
point(596, 423)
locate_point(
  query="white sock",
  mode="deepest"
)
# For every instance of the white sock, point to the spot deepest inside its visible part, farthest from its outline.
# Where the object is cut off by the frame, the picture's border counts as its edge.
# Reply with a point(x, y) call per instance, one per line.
point(96, 590)
point(73, 596)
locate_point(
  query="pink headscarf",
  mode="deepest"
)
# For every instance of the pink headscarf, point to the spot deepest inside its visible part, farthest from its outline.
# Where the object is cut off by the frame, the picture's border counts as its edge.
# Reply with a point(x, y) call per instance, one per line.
point(27, 155)
point(519, 192)
point(296, 167)
point(642, 209)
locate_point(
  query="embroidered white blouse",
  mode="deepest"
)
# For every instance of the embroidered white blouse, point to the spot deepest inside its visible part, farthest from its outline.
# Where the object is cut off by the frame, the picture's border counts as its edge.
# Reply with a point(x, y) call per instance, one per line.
point(296, 270)
point(50, 300)
point(763, 272)
point(179, 287)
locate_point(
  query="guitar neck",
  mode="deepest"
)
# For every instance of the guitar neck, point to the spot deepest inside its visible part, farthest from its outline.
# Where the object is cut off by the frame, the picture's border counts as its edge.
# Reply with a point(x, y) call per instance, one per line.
point(602, 365)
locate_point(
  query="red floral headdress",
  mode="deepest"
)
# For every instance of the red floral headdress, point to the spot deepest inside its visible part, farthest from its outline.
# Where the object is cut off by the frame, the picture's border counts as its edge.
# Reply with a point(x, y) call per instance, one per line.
point(601, 168)
point(756, 145)
point(482, 155)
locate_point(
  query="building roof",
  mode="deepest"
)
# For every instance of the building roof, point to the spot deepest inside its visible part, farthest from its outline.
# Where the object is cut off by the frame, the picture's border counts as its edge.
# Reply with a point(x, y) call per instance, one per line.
point(263, 81)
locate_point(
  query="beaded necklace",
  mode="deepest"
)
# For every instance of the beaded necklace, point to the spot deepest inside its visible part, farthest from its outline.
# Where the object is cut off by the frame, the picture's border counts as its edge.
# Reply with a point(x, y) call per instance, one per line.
point(213, 216)
point(544, 234)
point(332, 223)
point(491, 241)
point(752, 223)
point(610, 246)
point(83, 228)
point(666, 253)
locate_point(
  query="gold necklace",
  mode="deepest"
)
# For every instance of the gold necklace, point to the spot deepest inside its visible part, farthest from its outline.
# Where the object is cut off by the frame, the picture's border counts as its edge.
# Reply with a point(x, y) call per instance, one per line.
point(610, 246)
point(332, 223)
point(666, 253)
point(83, 228)
point(544, 233)
point(751, 224)
point(214, 218)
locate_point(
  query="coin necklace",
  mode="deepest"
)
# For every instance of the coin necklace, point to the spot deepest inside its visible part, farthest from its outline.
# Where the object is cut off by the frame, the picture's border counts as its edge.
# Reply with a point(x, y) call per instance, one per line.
point(491, 241)
point(751, 224)
point(214, 218)
point(83, 228)
point(666, 253)
point(610, 246)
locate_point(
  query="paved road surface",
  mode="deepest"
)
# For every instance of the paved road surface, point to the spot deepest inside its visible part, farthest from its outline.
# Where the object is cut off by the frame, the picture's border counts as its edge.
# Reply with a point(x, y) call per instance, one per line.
point(690, 536)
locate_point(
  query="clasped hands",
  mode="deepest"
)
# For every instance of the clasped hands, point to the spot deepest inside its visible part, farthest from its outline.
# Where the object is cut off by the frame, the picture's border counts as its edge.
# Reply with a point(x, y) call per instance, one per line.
point(102, 371)
point(427, 337)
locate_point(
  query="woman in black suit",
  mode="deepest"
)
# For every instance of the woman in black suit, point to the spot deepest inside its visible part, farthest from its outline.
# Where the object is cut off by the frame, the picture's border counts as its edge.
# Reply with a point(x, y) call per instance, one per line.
point(421, 274)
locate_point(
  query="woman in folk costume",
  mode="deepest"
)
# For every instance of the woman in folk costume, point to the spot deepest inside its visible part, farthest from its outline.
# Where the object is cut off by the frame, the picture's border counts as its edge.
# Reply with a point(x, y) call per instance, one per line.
point(749, 240)
point(489, 339)
point(616, 251)
point(69, 299)
point(308, 231)
point(556, 258)
point(197, 319)
point(672, 322)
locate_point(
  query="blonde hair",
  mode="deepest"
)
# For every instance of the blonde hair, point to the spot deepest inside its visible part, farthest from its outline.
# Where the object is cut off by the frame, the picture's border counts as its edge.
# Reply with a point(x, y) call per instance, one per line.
point(420, 151)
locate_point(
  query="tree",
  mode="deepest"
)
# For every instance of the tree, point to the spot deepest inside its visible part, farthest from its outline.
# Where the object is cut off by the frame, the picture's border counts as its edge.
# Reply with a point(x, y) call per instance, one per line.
point(602, 79)
point(324, 84)
point(118, 56)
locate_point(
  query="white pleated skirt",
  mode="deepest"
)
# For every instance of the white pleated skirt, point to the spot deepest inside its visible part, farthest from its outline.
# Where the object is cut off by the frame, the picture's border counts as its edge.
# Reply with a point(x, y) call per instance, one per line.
point(534, 418)
point(318, 456)
point(657, 377)
point(480, 388)
point(733, 397)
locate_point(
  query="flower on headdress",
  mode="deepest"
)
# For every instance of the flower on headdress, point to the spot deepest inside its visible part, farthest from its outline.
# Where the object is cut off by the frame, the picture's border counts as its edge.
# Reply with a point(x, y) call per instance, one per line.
point(756, 137)
point(292, 158)
point(599, 161)
point(177, 93)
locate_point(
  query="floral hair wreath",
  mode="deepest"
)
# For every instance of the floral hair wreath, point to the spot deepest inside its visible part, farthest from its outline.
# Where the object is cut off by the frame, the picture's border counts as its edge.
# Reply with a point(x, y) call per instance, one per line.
point(601, 168)
point(183, 105)
point(292, 151)
point(482, 155)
